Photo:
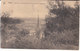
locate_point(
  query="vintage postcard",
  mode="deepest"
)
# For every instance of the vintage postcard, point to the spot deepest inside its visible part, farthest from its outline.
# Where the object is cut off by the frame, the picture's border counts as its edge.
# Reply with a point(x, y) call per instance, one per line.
point(40, 24)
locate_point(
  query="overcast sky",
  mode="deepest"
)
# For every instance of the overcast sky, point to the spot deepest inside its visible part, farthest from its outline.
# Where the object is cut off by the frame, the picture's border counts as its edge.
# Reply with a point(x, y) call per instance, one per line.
point(25, 10)
point(28, 10)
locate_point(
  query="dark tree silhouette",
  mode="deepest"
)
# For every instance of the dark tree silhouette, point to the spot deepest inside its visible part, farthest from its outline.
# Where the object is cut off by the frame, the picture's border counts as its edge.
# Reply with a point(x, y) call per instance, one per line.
point(66, 17)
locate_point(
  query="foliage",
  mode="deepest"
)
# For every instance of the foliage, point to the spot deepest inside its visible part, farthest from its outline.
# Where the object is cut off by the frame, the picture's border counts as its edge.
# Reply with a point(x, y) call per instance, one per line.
point(66, 18)
point(64, 27)
point(5, 19)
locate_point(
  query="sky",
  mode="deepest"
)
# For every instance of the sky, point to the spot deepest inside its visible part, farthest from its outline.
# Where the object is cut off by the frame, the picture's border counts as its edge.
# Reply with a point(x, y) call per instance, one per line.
point(28, 10)
point(25, 10)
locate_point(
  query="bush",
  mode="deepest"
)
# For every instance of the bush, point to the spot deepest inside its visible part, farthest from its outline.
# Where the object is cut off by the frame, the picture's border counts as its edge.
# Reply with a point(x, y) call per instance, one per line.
point(5, 19)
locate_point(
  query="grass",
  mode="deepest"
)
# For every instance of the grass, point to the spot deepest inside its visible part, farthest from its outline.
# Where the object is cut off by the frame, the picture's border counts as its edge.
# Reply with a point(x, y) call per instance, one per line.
point(16, 35)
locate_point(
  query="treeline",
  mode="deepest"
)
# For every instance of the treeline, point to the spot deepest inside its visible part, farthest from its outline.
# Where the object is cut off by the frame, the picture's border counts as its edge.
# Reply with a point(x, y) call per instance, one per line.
point(6, 19)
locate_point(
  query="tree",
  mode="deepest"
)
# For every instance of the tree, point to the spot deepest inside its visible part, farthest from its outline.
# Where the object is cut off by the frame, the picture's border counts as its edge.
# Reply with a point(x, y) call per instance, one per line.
point(67, 18)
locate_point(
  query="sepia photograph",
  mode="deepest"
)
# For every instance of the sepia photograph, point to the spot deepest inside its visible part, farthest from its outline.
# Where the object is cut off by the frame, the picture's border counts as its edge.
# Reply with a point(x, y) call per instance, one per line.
point(40, 24)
